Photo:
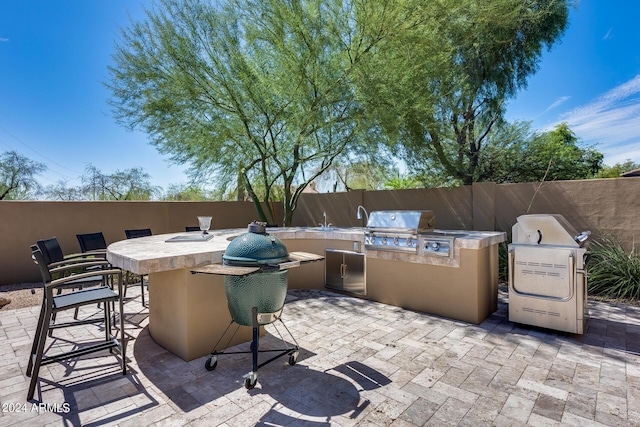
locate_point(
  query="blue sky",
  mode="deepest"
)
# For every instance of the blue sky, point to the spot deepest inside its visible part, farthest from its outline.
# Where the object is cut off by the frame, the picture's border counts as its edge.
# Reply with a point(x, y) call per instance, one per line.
point(591, 80)
point(54, 57)
point(53, 109)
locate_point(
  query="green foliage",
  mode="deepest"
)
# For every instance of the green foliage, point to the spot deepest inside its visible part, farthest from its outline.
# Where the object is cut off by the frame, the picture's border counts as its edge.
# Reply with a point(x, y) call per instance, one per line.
point(268, 94)
point(252, 92)
point(356, 175)
point(503, 262)
point(618, 169)
point(17, 176)
point(62, 191)
point(558, 154)
point(128, 184)
point(514, 153)
point(186, 193)
point(613, 271)
point(440, 83)
point(402, 181)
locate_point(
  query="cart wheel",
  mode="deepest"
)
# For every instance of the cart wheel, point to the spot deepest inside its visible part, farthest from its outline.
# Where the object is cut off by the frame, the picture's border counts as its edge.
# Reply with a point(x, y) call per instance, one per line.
point(211, 363)
point(248, 384)
point(292, 360)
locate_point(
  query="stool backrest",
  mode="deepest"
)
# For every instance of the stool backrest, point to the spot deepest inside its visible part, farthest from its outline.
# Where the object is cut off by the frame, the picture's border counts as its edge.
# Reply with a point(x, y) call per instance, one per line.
point(91, 241)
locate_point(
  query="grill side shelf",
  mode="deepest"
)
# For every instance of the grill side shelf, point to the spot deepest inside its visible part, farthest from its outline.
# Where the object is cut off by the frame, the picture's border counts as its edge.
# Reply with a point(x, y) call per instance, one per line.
point(304, 257)
point(296, 258)
point(226, 270)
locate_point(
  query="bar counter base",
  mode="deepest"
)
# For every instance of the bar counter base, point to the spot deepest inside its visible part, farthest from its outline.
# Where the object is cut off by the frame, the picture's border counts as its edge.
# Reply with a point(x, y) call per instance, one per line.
point(188, 313)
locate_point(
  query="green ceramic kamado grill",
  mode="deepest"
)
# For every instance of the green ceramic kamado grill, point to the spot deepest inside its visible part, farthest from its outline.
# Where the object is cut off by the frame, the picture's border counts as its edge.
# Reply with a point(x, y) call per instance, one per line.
point(255, 268)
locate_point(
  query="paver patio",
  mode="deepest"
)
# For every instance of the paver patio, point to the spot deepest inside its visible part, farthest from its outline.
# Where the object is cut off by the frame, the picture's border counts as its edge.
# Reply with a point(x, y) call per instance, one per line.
point(361, 363)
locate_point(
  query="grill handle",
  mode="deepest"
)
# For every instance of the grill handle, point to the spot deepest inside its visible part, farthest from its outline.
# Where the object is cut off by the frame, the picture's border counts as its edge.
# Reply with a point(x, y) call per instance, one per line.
point(510, 270)
point(572, 273)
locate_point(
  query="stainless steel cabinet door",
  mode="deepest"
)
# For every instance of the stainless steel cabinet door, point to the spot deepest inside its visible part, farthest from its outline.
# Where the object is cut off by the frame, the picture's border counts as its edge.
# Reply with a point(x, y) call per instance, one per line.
point(353, 272)
point(333, 269)
point(345, 270)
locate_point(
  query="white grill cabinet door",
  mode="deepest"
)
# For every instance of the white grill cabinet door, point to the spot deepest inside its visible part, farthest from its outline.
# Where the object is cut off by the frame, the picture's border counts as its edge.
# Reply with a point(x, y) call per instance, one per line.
point(544, 272)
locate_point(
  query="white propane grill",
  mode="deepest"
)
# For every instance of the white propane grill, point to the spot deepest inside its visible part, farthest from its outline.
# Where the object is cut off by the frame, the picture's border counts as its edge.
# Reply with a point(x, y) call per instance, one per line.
point(547, 277)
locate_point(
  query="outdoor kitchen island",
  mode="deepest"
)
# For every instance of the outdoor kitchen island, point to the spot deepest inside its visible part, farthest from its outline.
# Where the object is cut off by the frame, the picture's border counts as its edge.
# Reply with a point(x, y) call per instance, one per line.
point(188, 312)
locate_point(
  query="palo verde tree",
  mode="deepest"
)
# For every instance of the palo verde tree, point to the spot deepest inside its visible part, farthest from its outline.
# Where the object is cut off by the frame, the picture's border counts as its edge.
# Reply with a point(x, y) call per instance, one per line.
point(17, 176)
point(257, 92)
point(440, 85)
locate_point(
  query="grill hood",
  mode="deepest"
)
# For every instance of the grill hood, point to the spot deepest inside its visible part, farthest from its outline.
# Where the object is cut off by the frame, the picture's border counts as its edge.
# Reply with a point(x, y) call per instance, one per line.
point(547, 229)
point(401, 221)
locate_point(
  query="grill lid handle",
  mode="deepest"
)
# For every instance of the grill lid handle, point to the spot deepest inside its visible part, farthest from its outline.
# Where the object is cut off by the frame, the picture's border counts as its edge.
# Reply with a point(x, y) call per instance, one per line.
point(257, 227)
point(582, 237)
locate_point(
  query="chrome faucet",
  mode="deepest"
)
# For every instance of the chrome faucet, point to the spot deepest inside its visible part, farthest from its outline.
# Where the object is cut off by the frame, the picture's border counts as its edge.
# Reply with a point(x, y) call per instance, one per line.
point(325, 226)
point(359, 212)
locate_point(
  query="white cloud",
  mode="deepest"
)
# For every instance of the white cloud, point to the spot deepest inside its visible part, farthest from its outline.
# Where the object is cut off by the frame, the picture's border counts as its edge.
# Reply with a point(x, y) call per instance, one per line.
point(611, 122)
point(609, 34)
point(2, 39)
point(556, 103)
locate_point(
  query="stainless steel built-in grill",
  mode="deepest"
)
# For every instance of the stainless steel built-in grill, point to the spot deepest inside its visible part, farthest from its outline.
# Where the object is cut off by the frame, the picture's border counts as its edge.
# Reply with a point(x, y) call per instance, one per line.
point(407, 231)
point(547, 277)
point(397, 230)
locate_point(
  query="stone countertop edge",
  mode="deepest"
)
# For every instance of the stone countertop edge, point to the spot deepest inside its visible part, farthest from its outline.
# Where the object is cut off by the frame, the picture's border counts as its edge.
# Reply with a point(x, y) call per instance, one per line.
point(153, 254)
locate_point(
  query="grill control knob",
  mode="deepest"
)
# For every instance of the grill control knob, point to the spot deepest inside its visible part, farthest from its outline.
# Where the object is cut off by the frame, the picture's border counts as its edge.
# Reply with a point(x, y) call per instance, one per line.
point(383, 240)
point(435, 246)
point(409, 242)
point(396, 241)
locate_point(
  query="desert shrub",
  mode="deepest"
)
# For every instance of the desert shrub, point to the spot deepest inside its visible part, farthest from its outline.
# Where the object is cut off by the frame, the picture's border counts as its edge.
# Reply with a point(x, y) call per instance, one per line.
point(503, 262)
point(613, 271)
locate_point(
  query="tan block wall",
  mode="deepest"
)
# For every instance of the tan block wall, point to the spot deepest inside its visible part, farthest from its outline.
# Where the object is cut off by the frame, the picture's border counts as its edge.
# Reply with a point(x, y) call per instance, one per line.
point(22, 223)
point(607, 207)
point(453, 207)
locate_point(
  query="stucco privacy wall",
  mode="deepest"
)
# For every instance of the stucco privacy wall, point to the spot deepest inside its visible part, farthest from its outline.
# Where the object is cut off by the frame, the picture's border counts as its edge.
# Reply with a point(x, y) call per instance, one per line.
point(22, 223)
point(608, 207)
point(452, 206)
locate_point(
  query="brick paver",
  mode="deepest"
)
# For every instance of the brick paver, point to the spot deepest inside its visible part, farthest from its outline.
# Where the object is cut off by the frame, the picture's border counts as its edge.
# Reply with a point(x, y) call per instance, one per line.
point(361, 363)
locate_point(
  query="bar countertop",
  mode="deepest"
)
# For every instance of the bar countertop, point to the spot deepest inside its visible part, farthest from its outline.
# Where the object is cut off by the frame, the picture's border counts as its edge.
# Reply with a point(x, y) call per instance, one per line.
point(153, 254)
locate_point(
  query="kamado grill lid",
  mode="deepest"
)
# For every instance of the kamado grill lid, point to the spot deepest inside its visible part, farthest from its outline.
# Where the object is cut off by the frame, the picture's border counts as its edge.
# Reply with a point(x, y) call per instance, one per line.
point(255, 247)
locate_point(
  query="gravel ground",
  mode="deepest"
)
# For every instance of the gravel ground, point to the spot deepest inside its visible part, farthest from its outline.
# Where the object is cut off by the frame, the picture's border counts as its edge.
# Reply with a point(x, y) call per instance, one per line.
point(21, 295)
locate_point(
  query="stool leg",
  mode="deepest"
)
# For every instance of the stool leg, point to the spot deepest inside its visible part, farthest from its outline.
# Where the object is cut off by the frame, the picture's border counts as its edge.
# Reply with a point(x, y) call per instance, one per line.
point(36, 338)
point(142, 289)
point(39, 351)
point(123, 339)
